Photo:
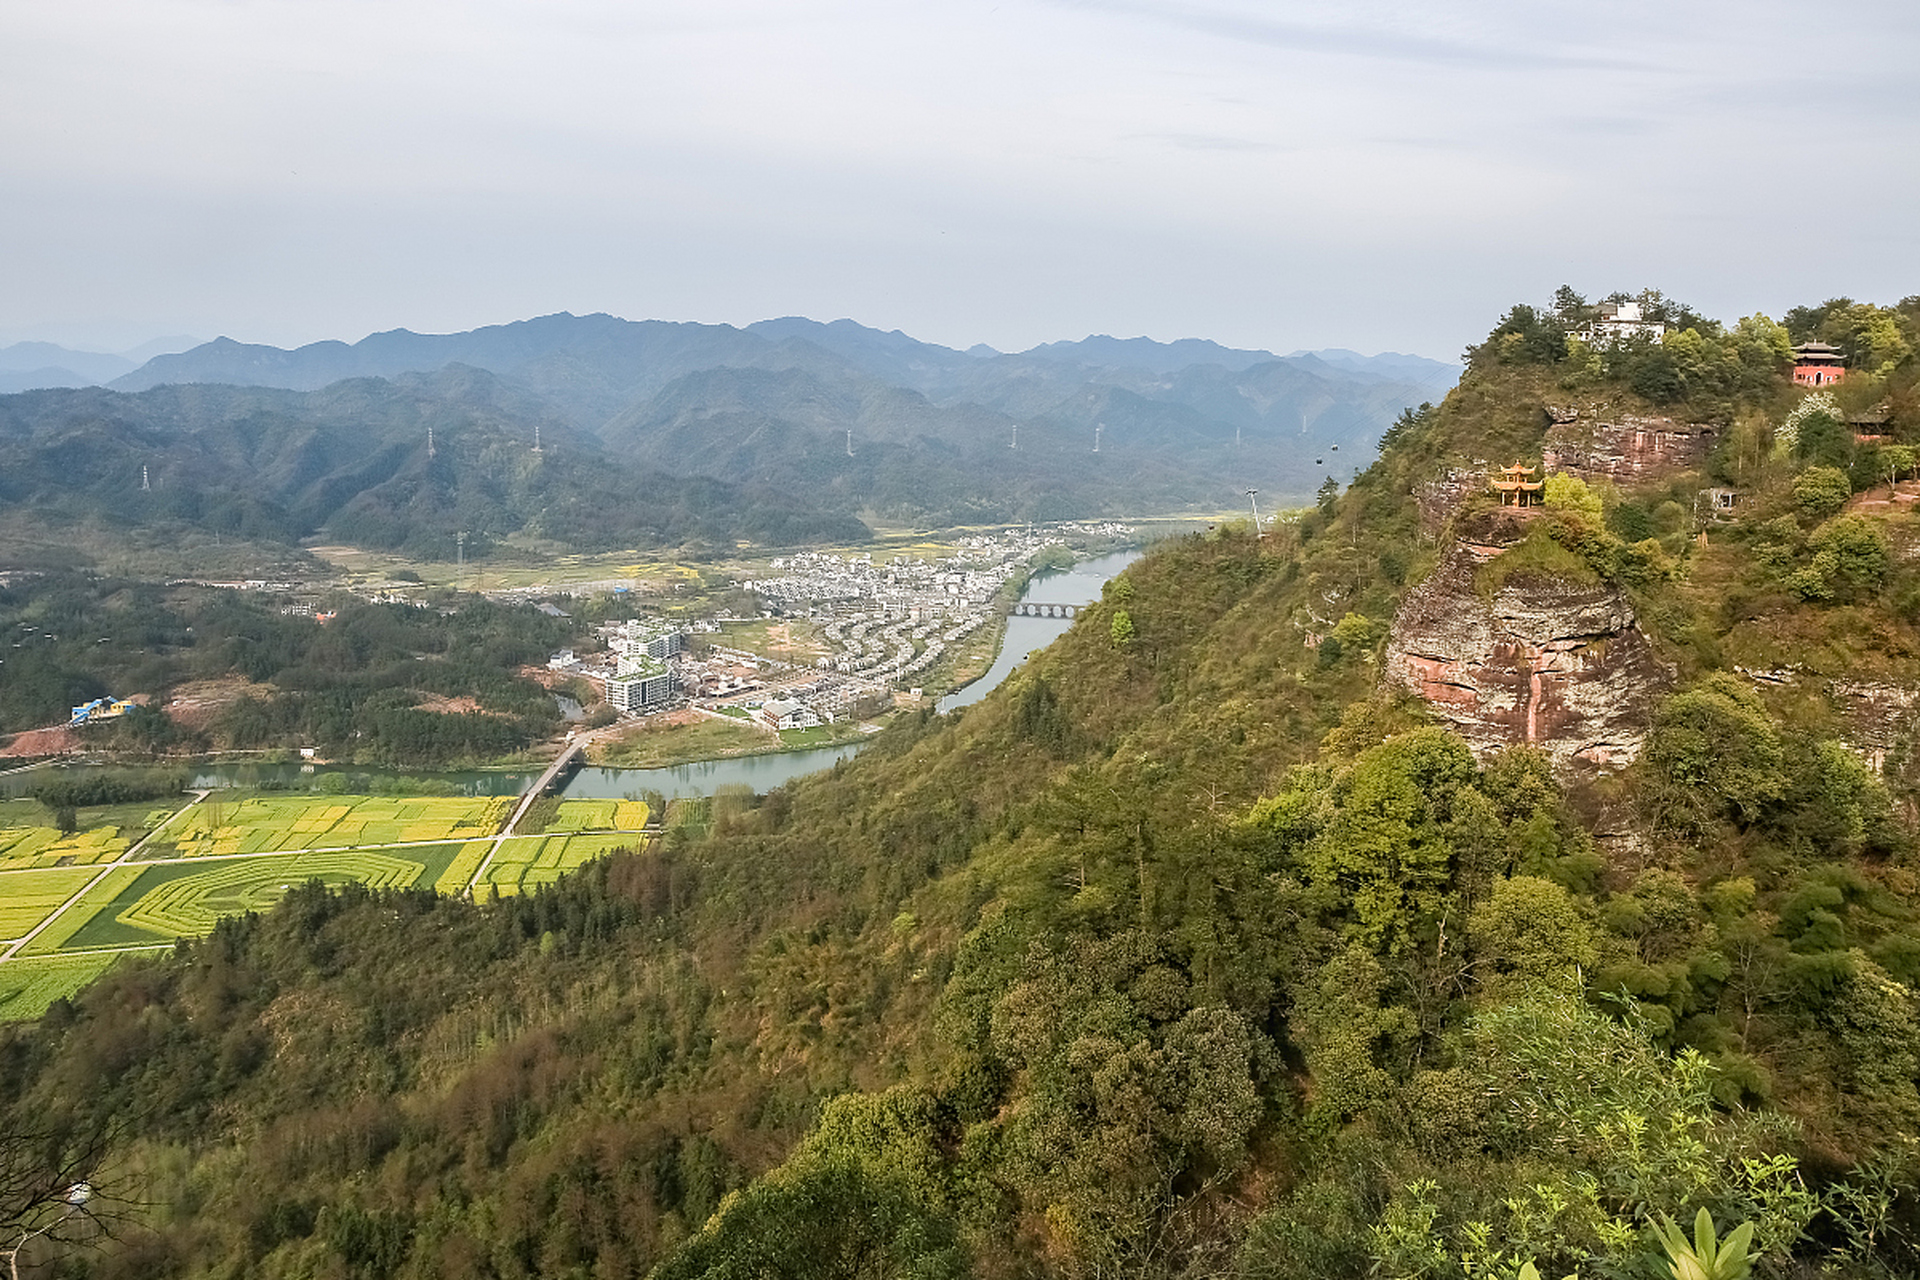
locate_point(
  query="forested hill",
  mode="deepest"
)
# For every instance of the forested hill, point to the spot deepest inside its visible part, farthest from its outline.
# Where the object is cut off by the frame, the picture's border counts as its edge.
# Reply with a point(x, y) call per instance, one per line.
point(353, 460)
point(1189, 423)
point(1205, 946)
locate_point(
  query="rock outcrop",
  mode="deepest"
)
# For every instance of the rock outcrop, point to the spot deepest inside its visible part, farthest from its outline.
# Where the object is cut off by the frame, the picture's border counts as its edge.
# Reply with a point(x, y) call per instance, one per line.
point(1624, 448)
point(1540, 662)
point(1883, 720)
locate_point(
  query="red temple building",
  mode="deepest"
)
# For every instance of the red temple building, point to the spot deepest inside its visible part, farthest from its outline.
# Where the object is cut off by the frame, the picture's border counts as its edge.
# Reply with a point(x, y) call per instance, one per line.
point(1815, 364)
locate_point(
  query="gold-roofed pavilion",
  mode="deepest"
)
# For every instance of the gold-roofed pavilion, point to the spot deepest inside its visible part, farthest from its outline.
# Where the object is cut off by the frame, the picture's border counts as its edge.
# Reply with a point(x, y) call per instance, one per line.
point(1516, 486)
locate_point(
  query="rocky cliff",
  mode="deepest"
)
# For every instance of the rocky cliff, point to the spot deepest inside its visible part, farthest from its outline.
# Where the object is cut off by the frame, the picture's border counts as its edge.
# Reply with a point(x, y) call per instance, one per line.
point(1539, 661)
point(1627, 449)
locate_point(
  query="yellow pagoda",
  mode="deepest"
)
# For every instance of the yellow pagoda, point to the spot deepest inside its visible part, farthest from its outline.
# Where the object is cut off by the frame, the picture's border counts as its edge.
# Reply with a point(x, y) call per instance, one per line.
point(1517, 487)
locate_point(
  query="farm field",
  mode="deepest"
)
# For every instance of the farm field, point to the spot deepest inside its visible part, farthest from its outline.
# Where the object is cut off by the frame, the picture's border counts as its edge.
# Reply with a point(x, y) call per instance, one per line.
point(27, 987)
point(526, 862)
point(226, 856)
point(276, 824)
point(28, 897)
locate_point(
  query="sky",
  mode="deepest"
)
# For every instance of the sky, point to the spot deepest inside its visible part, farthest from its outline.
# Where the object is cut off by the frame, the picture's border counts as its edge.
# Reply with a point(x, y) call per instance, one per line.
point(1272, 175)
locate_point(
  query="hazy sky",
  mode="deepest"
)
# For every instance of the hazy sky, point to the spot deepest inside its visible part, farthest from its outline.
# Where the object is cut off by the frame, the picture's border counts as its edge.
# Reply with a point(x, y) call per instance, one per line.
point(1281, 175)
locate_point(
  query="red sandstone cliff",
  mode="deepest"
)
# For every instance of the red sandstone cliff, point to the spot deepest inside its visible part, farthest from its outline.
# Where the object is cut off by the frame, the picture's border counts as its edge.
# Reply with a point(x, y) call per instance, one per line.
point(1540, 662)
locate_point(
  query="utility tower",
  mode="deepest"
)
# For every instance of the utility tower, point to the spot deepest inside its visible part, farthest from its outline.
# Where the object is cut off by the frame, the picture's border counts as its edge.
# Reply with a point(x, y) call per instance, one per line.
point(1098, 427)
point(1016, 437)
point(1253, 498)
point(460, 548)
point(849, 442)
point(145, 487)
point(536, 437)
point(430, 443)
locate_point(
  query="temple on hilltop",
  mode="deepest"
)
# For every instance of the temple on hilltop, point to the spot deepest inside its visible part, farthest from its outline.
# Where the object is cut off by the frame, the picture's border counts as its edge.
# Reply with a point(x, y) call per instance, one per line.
point(1815, 364)
point(1516, 486)
point(1618, 322)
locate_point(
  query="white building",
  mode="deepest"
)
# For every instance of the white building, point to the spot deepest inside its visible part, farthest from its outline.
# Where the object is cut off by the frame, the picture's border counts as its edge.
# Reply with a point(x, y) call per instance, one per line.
point(640, 684)
point(1621, 322)
point(646, 638)
point(784, 713)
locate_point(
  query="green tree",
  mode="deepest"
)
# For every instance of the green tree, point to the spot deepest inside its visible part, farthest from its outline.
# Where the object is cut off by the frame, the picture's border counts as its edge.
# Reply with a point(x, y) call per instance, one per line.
point(1820, 492)
point(1385, 853)
point(1532, 929)
point(1850, 558)
point(1122, 629)
point(1717, 750)
point(1565, 492)
point(821, 1219)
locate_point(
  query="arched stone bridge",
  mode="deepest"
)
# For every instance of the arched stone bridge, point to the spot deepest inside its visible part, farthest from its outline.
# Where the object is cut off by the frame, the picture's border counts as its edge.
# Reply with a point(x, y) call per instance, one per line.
point(1041, 609)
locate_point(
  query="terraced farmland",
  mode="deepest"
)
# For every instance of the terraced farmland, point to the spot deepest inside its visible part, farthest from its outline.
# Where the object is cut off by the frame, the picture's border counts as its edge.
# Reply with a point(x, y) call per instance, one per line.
point(223, 856)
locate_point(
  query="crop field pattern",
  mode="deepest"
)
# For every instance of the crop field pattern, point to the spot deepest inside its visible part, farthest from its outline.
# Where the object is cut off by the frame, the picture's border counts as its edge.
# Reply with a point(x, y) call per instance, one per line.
point(277, 824)
point(526, 862)
point(34, 848)
point(189, 905)
point(90, 900)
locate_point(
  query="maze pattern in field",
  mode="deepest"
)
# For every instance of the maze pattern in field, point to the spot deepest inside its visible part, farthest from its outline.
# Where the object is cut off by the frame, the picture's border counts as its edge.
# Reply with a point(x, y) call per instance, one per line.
point(271, 824)
point(28, 897)
point(527, 861)
point(32, 848)
point(190, 905)
point(75, 918)
point(27, 987)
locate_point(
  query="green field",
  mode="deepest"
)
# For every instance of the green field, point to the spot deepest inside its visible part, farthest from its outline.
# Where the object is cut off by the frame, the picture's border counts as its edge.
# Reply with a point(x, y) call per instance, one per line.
point(27, 987)
point(527, 861)
point(28, 897)
point(61, 932)
point(600, 815)
point(273, 824)
point(226, 856)
point(32, 848)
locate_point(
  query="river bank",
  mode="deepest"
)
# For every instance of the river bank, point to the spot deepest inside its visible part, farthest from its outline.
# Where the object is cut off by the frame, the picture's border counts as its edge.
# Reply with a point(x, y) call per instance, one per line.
point(758, 769)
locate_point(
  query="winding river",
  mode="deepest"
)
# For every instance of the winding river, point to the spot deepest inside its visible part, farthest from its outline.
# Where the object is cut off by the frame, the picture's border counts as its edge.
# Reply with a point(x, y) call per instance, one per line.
point(1079, 585)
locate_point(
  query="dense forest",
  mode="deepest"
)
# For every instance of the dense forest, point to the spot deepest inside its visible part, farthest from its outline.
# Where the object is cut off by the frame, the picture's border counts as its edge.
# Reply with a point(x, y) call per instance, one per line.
point(351, 688)
point(1197, 949)
point(406, 464)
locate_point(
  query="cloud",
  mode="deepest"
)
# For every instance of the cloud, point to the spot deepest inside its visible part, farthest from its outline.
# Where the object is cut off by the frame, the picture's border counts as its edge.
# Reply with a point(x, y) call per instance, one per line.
point(1357, 40)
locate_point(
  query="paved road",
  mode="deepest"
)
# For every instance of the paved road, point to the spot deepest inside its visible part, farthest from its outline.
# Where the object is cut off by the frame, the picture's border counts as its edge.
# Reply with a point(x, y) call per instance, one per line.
point(20, 943)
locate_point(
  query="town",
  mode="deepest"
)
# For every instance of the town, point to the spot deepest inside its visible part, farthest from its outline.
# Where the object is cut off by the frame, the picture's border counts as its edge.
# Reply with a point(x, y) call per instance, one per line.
point(886, 621)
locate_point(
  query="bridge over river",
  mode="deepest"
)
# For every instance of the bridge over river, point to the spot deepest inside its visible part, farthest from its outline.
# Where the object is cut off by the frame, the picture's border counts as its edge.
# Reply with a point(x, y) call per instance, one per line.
point(567, 761)
point(1044, 609)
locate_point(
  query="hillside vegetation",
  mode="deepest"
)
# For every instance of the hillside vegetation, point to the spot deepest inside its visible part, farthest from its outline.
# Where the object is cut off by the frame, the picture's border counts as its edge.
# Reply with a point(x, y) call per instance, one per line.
point(1194, 950)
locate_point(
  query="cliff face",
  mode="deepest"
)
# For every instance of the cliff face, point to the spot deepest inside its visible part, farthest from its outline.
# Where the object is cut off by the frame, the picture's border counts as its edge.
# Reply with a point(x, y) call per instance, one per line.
point(1540, 662)
point(1624, 448)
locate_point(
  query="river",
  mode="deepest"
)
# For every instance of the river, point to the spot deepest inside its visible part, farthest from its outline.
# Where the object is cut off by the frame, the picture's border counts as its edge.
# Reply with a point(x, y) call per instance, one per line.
point(1079, 585)
point(1026, 636)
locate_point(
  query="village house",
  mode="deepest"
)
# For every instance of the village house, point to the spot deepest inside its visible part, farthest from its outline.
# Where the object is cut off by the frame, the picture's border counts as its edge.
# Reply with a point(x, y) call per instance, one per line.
point(785, 713)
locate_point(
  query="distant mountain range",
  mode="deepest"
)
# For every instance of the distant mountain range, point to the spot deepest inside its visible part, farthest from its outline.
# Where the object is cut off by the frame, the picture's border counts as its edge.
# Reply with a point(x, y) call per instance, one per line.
point(27, 366)
point(782, 430)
